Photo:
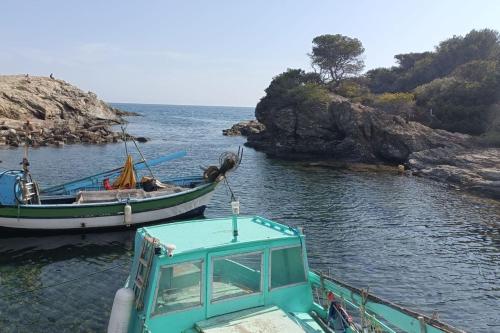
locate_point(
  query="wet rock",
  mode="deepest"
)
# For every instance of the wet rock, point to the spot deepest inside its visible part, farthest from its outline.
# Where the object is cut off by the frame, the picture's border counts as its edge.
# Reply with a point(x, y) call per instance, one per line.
point(141, 139)
point(473, 169)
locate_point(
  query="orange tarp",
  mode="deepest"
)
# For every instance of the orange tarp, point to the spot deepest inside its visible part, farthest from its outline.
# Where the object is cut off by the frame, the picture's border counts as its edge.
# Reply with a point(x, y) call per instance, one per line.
point(127, 177)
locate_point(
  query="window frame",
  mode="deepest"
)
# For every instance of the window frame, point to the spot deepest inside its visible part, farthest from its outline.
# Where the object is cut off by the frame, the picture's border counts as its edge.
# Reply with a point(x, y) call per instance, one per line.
point(261, 282)
point(271, 250)
point(202, 288)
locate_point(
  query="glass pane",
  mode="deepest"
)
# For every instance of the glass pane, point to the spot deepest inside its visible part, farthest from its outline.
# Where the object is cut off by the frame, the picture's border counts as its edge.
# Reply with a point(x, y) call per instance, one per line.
point(179, 287)
point(236, 276)
point(287, 267)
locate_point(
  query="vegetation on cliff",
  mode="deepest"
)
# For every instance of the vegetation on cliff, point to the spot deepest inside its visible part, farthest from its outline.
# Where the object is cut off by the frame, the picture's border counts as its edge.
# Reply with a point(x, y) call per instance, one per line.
point(456, 87)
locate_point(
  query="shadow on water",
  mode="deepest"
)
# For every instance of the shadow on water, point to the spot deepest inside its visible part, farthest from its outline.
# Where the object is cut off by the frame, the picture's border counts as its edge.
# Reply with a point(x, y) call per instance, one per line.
point(412, 241)
point(50, 282)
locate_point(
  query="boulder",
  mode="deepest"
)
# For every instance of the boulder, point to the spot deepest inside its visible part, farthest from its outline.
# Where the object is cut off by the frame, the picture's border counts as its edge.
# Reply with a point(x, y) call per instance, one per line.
point(244, 128)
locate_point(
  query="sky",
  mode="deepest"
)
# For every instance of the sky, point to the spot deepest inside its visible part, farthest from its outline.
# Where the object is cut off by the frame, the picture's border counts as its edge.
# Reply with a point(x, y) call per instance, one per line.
point(212, 52)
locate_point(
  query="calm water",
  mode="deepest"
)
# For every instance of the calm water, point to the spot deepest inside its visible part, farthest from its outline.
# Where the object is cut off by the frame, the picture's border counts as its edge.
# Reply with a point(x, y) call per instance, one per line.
point(410, 240)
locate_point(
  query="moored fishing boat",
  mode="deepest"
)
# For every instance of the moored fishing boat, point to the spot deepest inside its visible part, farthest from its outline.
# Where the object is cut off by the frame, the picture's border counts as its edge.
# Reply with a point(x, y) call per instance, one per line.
point(244, 274)
point(93, 202)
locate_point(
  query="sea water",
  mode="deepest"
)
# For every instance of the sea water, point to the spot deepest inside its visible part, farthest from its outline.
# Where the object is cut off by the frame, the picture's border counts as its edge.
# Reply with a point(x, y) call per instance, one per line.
point(410, 240)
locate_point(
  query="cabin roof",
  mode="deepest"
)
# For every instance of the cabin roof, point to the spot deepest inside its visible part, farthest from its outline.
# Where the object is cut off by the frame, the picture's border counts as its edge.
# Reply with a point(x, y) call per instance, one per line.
point(194, 235)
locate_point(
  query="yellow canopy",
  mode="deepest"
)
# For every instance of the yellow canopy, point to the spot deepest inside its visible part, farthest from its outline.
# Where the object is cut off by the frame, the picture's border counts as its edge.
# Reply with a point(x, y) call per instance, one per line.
point(127, 177)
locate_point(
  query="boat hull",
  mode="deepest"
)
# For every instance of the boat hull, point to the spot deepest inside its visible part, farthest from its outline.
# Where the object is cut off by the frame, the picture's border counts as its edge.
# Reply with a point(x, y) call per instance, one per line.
point(107, 215)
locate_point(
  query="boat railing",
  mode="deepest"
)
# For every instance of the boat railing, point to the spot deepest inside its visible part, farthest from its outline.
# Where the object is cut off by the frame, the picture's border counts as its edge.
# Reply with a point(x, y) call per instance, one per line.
point(375, 314)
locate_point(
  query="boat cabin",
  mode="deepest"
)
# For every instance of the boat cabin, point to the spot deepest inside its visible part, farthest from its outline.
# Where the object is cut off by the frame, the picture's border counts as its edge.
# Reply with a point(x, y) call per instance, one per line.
point(217, 275)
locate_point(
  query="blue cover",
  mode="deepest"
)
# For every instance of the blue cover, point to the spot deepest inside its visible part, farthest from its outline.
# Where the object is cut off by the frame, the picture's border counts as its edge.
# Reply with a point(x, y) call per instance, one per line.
point(8, 188)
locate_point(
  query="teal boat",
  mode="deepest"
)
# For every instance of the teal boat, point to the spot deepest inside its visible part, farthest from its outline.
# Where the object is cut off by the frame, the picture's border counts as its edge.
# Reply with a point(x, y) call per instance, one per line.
point(244, 274)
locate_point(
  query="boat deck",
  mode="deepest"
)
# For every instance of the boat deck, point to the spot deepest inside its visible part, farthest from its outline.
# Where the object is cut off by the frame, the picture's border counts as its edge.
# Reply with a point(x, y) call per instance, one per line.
point(261, 319)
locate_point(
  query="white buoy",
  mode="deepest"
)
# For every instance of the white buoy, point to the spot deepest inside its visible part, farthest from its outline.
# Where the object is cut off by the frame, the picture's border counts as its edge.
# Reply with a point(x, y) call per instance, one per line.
point(121, 311)
point(127, 213)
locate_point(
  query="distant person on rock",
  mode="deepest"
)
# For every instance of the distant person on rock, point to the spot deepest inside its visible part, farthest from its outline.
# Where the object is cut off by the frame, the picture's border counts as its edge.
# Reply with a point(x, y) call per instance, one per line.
point(52, 76)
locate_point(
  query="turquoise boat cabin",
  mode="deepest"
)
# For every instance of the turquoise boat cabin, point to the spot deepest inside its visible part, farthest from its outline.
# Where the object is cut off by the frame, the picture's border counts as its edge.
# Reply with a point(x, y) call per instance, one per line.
point(244, 274)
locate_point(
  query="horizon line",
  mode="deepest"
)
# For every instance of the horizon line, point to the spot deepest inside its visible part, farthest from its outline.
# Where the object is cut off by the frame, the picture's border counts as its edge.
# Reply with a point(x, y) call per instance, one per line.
point(220, 106)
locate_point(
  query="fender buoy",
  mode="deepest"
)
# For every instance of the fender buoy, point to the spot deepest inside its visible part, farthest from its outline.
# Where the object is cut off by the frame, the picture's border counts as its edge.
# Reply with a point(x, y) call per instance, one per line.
point(127, 214)
point(121, 311)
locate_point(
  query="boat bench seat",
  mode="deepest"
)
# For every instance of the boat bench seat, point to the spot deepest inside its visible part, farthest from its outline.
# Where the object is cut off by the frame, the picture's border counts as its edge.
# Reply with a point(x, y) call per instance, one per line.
point(260, 319)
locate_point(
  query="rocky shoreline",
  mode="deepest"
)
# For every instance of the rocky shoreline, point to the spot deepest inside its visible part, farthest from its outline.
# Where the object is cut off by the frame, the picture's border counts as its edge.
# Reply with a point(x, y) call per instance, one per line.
point(344, 134)
point(47, 111)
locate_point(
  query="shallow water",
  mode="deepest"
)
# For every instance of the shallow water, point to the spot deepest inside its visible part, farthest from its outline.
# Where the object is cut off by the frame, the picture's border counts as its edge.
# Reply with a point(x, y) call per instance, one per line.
point(412, 241)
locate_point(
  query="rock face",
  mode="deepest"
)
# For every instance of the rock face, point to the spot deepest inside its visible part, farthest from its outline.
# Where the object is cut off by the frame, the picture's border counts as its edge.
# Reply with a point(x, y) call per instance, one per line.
point(476, 170)
point(347, 131)
point(58, 113)
point(244, 128)
point(354, 133)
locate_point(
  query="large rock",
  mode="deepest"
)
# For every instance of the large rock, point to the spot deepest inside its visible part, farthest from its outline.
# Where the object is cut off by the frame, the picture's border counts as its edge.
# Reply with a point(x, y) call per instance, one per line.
point(48, 99)
point(57, 111)
point(476, 170)
point(347, 131)
point(244, 128)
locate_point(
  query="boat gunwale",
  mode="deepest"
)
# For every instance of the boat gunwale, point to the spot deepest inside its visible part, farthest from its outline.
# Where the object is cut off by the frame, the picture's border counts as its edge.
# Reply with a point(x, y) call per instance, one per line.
point(369, 296)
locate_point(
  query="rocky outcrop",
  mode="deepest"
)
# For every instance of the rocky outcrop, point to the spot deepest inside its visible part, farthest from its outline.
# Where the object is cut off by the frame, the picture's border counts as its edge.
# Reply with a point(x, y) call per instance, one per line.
point(346, 131)
point(58, 113)
point(244, 128)
point(474, 169)
point(349, 132)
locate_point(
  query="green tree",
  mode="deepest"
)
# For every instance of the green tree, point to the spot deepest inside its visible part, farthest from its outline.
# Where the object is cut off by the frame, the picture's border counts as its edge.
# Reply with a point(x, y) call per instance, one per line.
point(336, 57)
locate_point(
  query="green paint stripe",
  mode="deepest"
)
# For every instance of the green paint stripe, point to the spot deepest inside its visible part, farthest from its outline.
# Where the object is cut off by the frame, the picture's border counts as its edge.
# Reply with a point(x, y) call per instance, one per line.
point(78, 211)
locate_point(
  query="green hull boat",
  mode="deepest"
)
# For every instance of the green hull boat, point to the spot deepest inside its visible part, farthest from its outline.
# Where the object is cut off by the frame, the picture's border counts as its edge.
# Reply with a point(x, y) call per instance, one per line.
point(244, 274)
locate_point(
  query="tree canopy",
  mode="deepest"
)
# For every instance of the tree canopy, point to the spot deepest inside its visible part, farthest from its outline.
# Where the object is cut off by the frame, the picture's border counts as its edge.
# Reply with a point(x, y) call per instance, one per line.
point(336, 57)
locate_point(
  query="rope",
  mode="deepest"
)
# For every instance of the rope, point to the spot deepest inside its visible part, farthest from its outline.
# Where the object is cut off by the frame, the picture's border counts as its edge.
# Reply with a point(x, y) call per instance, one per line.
point(21, 293)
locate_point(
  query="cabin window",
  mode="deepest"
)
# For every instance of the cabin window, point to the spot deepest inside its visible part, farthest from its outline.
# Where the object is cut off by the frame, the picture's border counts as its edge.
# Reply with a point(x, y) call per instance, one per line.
point(237, 275)
point(287, 267)
point(179, 287)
